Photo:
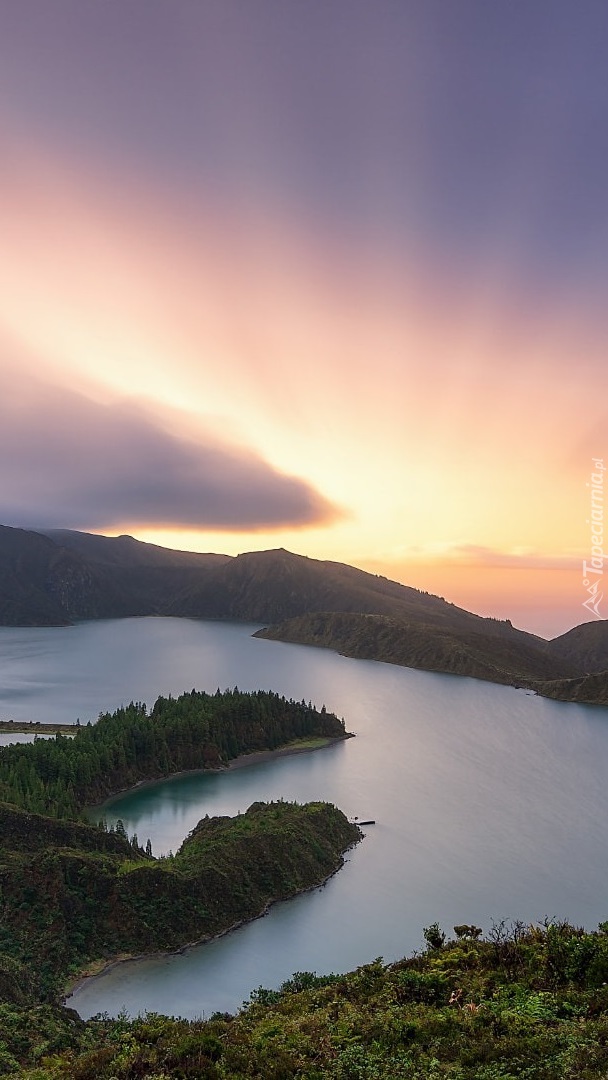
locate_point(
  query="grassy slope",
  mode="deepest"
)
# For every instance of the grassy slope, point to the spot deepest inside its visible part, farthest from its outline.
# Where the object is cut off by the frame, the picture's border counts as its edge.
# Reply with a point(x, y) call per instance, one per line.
point(531, 1005)
point(587, 690)
point(484, 650)
point(25, 563)
point(42, 584)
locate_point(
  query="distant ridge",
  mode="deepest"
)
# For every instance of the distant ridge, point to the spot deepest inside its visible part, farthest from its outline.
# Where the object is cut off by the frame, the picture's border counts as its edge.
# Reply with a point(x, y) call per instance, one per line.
point(127, 551)
point(60, 576)
point(485, 649)
point(585, 647)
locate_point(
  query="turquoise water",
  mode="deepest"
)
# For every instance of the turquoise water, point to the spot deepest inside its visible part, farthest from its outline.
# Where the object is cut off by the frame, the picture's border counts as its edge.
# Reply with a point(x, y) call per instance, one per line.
point(489, 802)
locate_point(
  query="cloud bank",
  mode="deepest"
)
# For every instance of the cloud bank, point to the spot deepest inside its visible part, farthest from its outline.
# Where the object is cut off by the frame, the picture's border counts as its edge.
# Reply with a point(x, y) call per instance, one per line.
point(69, 461)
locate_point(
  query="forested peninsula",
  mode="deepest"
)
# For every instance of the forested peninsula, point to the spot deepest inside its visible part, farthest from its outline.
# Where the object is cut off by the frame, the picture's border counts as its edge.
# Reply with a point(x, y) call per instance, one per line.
point(490, 651)
point(72, 893)
point(197, 730)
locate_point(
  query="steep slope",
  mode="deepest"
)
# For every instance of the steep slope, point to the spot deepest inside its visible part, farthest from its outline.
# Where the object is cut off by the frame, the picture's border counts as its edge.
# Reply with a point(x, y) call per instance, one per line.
point(146, 577)
point(53, 579)
point(585, 647)
point(42, 584)
point(274, 585)
point(25, 566)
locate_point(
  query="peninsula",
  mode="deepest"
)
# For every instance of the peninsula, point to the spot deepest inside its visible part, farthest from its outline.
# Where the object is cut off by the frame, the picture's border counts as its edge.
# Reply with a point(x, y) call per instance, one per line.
point(73, 894)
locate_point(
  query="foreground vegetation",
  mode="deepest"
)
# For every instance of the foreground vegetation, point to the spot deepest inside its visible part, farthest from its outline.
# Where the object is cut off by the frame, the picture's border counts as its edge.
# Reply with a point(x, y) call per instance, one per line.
point(194, 731)
point(529, 1003)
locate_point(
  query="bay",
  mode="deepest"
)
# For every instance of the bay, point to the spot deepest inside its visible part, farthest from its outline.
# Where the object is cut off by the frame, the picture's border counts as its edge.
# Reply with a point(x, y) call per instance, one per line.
point(489, 802)
point(9, 739)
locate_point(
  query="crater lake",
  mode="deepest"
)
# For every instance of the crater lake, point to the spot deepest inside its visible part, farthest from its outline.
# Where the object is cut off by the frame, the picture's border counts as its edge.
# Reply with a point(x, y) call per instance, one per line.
point(489, 802)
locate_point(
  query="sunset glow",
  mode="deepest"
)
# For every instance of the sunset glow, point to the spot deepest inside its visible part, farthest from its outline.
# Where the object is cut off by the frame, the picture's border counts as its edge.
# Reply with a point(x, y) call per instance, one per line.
point(357, 313)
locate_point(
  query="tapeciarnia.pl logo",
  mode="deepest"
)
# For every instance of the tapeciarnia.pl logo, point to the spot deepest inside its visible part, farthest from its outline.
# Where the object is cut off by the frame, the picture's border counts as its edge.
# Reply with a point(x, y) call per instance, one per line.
point(594, 569)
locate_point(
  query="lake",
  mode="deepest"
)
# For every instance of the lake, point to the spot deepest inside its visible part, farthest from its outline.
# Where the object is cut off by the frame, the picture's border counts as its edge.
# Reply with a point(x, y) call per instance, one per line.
point(8, 739)
point(489, 802)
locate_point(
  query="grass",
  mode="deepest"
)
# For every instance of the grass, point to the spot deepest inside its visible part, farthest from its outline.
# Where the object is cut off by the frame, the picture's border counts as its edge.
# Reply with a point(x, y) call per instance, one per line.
point(307, 744)
point(26, 727)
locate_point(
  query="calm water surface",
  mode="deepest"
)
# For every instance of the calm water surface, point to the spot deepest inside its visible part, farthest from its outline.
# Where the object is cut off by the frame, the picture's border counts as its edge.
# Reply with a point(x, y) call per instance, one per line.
point(489, 802)
point(8, 739)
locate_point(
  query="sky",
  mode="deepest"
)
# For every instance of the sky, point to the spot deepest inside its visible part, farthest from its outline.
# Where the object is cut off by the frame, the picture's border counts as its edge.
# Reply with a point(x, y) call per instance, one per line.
point(329, 276)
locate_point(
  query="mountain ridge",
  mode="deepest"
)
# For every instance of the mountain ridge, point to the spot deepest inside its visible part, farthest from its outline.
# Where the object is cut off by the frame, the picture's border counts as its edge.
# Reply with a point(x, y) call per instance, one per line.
point(61, 576)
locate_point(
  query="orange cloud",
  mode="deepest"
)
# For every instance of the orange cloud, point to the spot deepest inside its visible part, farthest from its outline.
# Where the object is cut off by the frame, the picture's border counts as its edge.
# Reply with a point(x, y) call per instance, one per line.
point(443, 412)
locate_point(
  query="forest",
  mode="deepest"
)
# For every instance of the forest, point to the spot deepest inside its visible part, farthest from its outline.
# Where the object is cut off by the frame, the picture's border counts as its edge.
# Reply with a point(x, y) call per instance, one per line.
point(72, 892)
point(196, 730)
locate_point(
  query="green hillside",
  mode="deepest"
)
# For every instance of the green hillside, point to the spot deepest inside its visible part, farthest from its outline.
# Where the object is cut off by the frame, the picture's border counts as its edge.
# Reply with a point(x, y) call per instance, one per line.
point(527, 1003)
point(485, 649)
point(71, 894)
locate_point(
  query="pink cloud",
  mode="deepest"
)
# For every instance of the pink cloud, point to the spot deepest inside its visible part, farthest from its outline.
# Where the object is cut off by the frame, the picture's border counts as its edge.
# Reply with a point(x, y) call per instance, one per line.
point(67, 460)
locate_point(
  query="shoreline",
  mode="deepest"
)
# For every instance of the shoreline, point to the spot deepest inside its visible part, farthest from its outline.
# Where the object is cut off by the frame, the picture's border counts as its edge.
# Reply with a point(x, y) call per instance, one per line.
point(37, 727)
point(256, 757)
point(71, 989)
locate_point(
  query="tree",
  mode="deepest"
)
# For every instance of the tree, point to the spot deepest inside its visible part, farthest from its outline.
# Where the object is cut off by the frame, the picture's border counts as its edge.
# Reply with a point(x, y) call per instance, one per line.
point(466, 931)
point(434, 936)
